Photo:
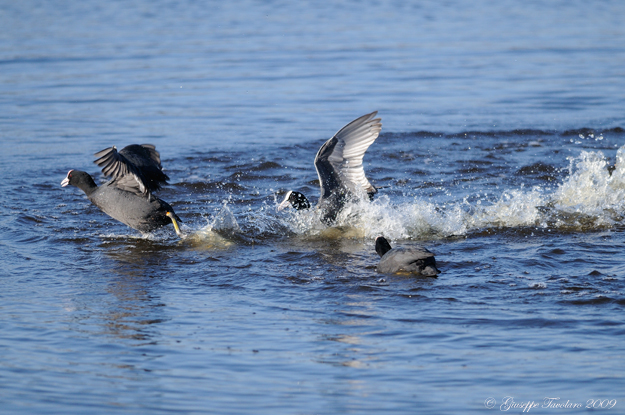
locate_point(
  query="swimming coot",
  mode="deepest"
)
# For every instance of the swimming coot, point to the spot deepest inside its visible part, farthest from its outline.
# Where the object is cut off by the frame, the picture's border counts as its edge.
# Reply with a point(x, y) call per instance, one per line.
point(414, 259)
point(135, 173)
point(339, 167)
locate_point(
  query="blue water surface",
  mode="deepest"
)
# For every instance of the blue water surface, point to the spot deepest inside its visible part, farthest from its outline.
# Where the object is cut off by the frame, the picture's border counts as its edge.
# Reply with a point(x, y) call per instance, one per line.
point(502, 121)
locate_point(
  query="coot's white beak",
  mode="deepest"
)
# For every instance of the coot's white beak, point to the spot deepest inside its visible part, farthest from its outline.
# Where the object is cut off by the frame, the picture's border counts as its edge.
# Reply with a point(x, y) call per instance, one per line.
point(65, 181)
point(285, 203)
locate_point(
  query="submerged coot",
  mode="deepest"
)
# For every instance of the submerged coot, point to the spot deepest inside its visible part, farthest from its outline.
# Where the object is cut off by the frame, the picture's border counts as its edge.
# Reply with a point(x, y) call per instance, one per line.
point(414, 259)
point(339, 167)
point(135, 173)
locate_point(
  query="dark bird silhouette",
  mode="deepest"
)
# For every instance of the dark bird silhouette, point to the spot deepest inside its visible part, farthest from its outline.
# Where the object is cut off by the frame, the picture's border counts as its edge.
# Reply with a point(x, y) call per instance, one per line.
point(339, 167)
point(413, 259)
point(135, 173)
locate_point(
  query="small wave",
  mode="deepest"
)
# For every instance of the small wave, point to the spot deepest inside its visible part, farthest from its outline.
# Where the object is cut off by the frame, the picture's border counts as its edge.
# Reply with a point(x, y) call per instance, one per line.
point(597, 300)
point(206, 187)
point(266, 165)
point(501, 133)
point(586, 131)
point(537, 168)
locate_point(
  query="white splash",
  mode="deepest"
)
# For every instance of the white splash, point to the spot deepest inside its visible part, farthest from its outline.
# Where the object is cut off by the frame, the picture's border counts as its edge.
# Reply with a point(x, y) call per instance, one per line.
point(515, 208)
point(591, 191)
point(214, 235)
point(403, 221)
point(589, 197)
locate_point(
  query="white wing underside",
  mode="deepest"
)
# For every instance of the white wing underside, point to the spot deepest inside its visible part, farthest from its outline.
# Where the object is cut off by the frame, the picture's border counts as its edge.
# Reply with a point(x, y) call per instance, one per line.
point(343, 157)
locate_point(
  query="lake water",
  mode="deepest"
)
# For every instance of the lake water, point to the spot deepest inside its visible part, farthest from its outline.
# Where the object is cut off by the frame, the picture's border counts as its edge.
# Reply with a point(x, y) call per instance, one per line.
point(501, 151)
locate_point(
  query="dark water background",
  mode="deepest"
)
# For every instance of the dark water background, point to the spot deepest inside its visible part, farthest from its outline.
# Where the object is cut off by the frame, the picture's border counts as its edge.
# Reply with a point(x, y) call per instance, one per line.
point(501, 124)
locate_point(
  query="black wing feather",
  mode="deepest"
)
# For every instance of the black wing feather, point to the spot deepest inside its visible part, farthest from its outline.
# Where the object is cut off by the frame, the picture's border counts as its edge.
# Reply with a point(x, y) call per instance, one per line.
point(136, 168)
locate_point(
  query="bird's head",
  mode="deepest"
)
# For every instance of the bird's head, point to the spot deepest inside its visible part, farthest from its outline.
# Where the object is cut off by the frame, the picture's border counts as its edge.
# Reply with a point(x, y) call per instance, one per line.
point(382, 246)
point(81, 180)
point(295, 199)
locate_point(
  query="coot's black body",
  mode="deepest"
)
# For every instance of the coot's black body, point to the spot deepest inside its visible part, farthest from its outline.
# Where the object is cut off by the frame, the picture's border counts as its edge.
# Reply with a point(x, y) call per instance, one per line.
point(413, 259)
point(136, 173)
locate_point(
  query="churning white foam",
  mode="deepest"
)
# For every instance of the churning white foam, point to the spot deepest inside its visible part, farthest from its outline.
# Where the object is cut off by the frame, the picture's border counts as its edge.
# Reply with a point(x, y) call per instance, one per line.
point(589, 197)
point(590, 189)
point(215, 234)
point(514, 208)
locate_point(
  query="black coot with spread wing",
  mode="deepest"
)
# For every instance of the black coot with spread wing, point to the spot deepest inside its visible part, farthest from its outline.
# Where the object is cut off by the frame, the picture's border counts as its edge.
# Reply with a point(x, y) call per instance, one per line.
point(135, 173)
point(413, 259)
point(339, 167)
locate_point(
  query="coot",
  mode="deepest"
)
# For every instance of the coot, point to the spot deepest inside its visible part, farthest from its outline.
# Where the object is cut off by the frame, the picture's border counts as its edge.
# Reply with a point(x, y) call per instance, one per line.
point(135, 173)
point(414, 259)
point(339, 167)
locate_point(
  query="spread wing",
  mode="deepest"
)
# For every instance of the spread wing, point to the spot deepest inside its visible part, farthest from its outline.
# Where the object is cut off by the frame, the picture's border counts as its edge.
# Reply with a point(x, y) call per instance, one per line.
point(136, 168)
point(339, 160)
